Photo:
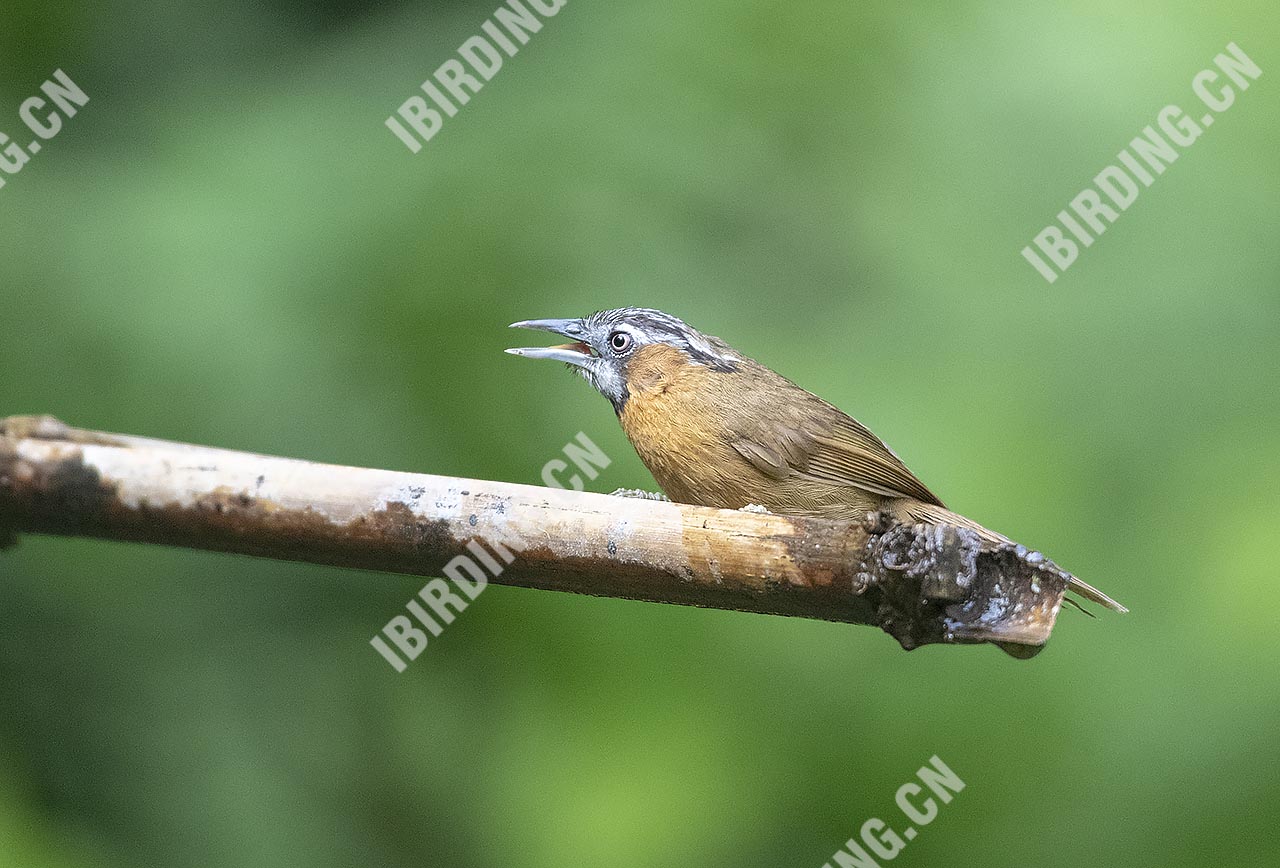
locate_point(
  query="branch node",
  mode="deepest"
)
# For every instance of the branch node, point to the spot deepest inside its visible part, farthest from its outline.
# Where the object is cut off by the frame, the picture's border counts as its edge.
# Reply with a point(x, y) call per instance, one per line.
point(934, 583)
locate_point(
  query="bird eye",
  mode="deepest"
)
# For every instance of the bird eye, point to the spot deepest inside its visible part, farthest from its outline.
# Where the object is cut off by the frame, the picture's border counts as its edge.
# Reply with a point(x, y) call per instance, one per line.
point(620, 342)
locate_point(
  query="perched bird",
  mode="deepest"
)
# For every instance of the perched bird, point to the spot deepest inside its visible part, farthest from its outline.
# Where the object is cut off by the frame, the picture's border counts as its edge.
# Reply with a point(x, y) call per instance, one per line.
point(716, 428)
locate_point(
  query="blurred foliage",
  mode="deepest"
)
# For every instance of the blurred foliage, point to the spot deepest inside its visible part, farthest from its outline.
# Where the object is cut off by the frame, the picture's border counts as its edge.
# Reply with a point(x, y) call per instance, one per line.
point(226, 246)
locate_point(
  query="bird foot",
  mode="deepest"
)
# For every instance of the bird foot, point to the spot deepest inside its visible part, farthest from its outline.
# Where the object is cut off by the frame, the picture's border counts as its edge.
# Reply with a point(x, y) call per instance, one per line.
point(877, 522)
point(641, 494)
point(755, 507)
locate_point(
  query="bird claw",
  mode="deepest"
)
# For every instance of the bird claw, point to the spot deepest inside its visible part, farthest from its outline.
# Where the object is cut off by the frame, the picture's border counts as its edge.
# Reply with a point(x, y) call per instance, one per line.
point(755, 507)
point(877, 522)
point(641, 494)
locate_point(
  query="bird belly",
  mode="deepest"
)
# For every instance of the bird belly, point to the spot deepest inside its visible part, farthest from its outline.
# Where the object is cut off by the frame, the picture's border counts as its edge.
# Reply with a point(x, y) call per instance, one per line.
point(691, 460)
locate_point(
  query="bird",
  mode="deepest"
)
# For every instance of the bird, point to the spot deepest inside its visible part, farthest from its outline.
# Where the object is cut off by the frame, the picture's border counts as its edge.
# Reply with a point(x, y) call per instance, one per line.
point(717, 428)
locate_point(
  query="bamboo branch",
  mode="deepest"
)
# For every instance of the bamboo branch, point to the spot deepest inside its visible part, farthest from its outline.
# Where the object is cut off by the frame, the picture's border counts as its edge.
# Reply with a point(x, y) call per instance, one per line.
point(921, 585)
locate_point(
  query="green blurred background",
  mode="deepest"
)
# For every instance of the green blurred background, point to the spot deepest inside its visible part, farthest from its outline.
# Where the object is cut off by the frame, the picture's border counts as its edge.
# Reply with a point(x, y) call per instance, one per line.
point(226, 246)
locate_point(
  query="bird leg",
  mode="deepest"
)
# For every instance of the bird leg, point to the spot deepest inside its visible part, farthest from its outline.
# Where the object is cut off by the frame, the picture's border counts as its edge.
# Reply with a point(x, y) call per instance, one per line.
point(877, 522)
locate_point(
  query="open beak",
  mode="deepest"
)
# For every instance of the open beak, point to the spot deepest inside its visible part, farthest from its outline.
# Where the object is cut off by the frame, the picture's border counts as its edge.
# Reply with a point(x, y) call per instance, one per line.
point(577, 353)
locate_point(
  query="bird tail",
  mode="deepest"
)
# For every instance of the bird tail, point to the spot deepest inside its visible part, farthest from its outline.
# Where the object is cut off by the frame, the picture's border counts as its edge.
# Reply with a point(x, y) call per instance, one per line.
point(1093, 595)
point(915, 511)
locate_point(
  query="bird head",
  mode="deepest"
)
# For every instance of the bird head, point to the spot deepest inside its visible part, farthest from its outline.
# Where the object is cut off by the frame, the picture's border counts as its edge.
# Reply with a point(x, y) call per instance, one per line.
point(606, 345)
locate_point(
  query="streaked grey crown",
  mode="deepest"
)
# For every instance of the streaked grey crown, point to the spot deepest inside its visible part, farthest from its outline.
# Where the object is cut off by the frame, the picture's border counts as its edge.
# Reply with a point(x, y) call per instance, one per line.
point(651, 326)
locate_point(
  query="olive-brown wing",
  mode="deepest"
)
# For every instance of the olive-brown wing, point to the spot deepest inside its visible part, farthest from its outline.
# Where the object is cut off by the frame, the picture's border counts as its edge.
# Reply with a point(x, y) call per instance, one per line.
point(831, 449)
